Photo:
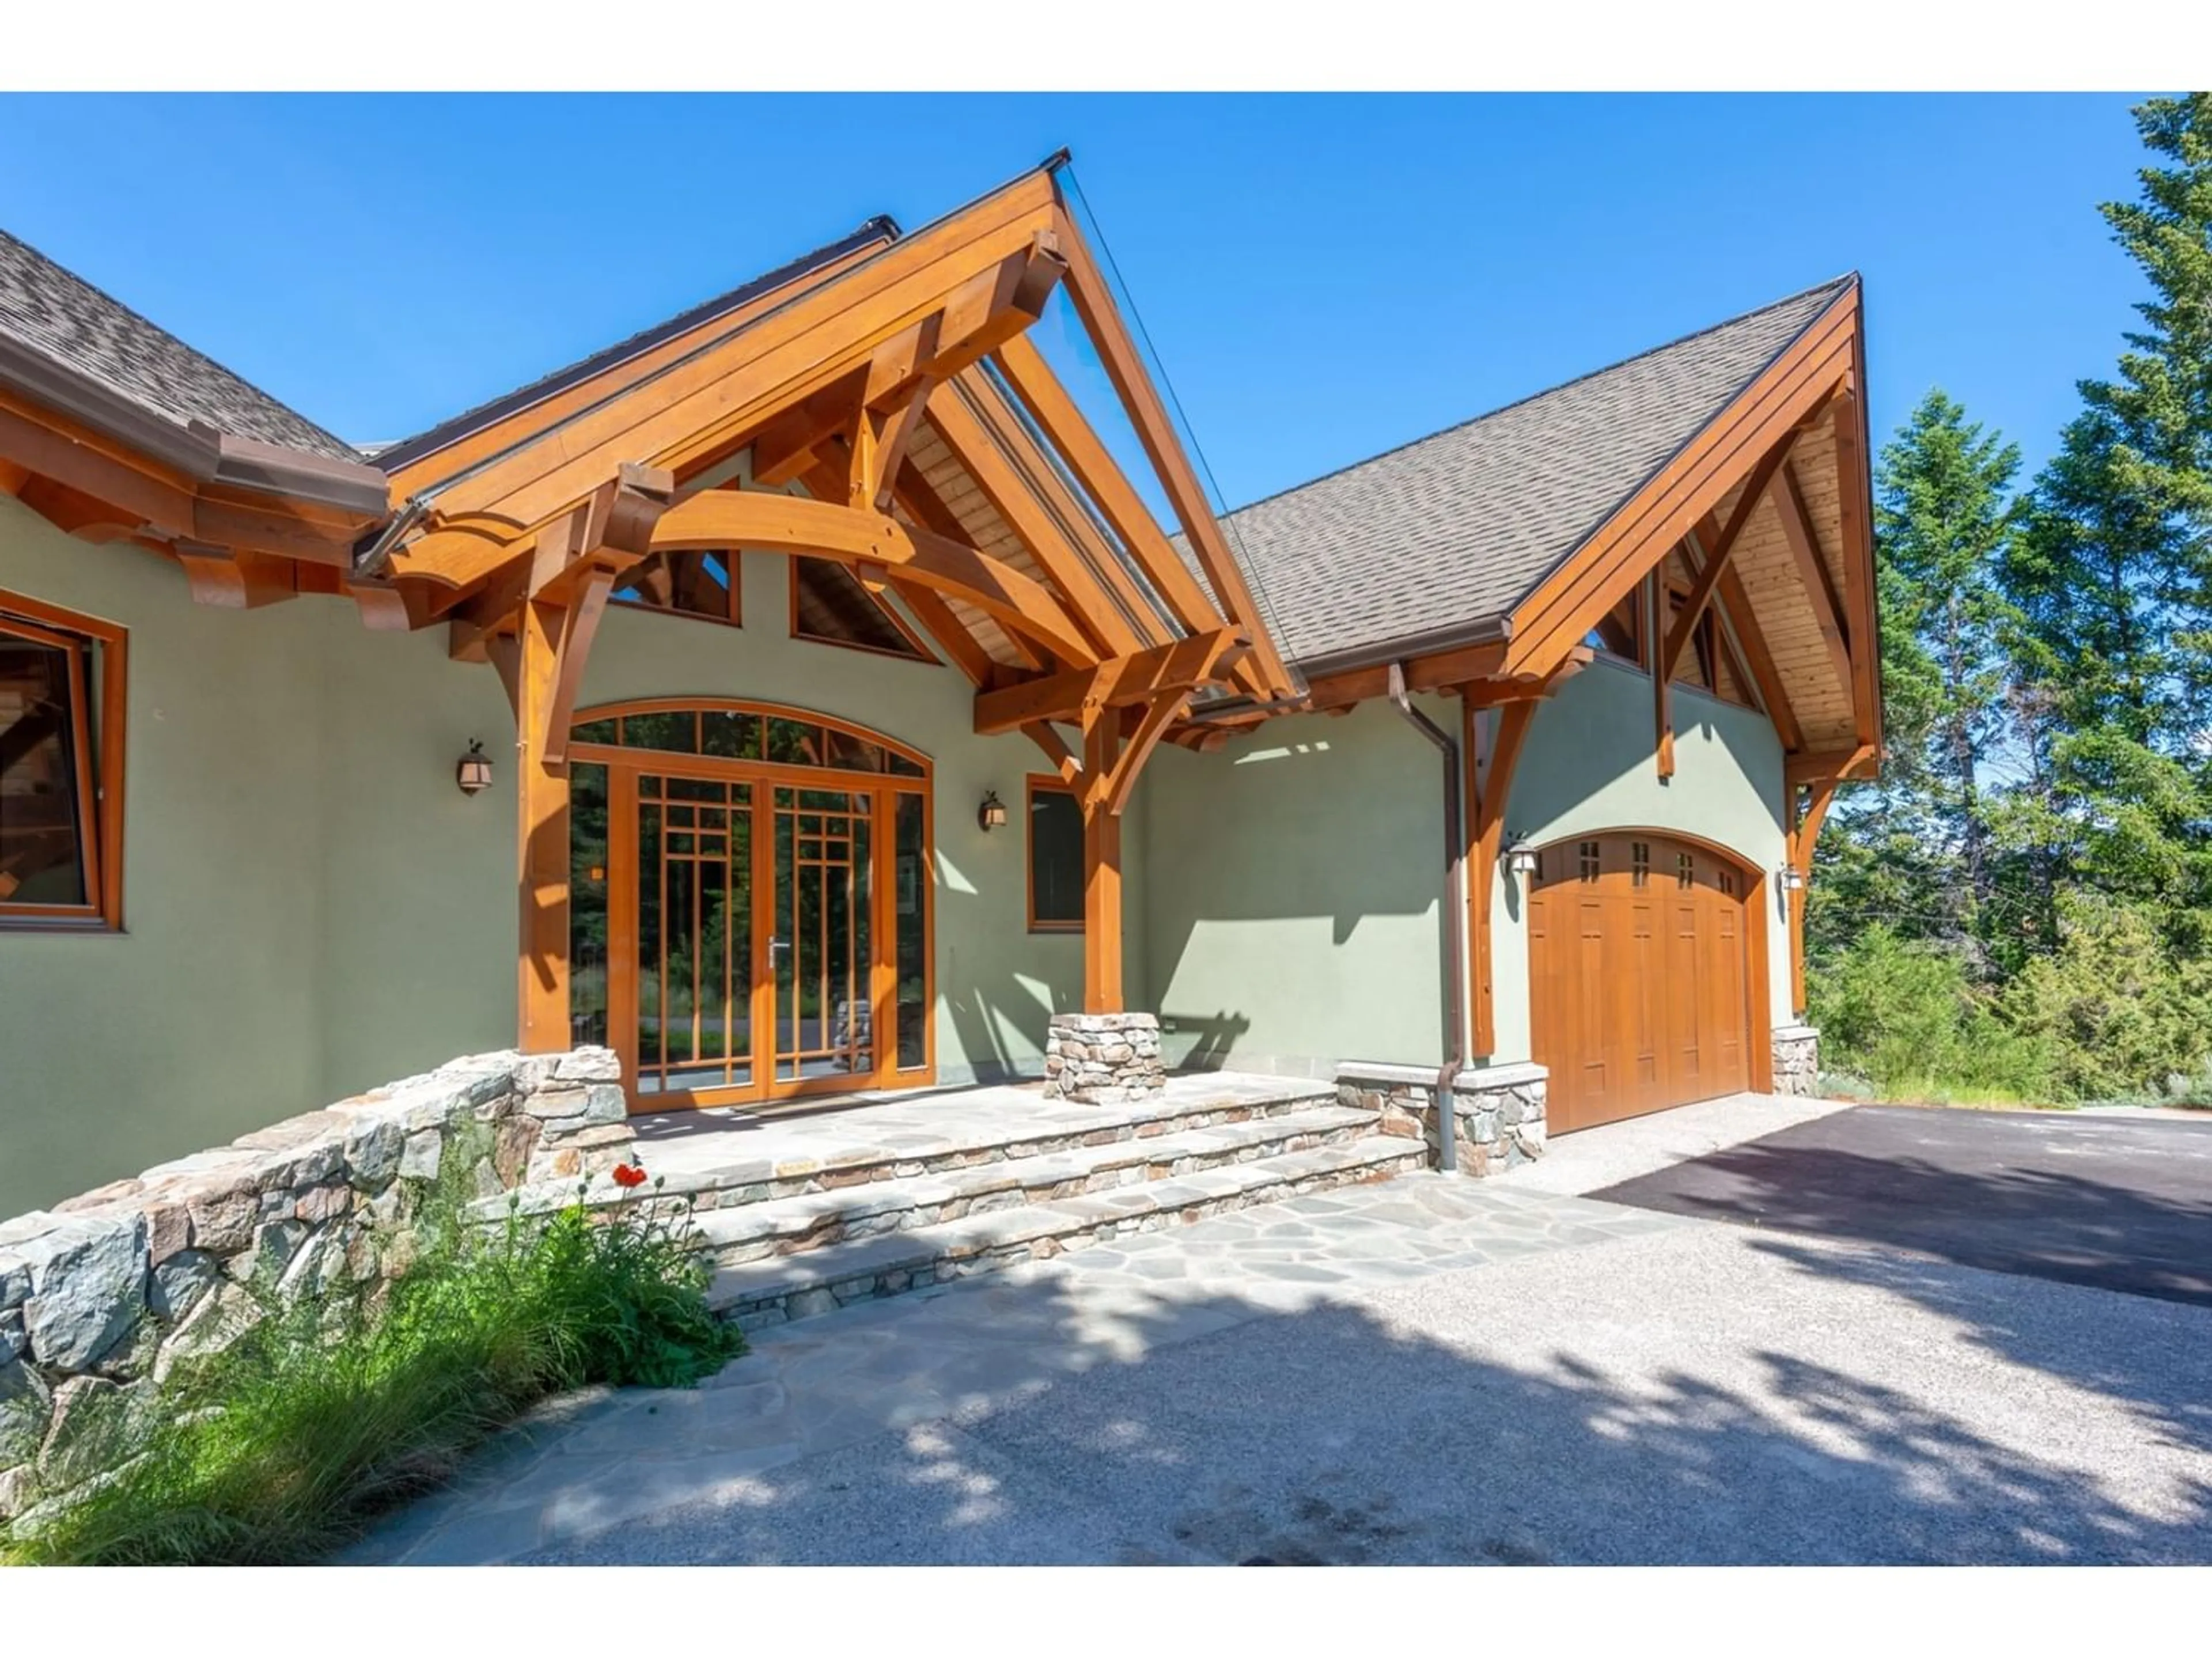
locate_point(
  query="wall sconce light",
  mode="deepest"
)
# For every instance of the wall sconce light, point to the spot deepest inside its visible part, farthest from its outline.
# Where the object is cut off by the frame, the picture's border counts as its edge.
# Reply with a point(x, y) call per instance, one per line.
point(1521, 859)
point(992, 814)
point(473, 773)
point(1791, 878)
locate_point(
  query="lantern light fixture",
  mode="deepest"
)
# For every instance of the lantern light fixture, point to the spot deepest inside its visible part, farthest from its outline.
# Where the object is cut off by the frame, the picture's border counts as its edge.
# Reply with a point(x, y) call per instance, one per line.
point(1521, 859)
point(1792, 879)
point(473, 773)
point(992, 814)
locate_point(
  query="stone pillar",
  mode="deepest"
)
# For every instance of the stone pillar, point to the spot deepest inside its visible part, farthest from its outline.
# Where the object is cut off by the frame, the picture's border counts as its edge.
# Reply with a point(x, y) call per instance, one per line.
point(1796, 1059)
point(1103, 1059)
point(1498, 1111)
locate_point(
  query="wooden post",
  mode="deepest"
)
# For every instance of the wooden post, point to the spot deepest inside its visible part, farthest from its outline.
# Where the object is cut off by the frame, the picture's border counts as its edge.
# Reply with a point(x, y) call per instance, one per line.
point(542, 791)
point(1802, 835)
point(1490, 783)
point(1102, 864)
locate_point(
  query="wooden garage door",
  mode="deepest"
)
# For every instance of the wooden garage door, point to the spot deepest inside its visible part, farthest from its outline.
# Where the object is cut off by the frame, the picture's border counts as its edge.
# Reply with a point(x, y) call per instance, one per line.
point(1639, 976)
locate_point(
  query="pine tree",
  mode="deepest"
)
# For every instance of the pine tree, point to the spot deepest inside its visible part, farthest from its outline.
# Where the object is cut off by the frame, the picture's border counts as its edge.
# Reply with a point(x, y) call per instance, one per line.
point(2113, 575)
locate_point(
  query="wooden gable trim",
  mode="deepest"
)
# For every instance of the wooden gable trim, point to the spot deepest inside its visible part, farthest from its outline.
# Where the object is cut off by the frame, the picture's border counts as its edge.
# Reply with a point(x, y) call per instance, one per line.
point(1813, 574)
point(1094, 469)
point(696, 409)
point(1093, 300)
point(1791, 390)
point(1142, 676)
point(1855, 510)
point(481, 444)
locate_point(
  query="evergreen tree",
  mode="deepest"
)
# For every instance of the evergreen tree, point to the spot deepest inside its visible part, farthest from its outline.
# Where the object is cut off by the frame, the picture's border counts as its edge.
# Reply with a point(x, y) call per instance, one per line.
point(2112, 577)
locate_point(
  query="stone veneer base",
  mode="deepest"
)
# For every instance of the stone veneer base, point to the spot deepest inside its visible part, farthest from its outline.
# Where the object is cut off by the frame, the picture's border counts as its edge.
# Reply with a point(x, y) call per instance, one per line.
point(1498, 1111)
point(1103, 1059)
point(1796, 1059)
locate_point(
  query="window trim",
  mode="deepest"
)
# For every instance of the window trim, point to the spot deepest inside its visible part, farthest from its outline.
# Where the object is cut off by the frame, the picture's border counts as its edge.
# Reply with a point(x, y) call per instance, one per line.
point(101, 731)
point(1034, 784)
point(921, 653)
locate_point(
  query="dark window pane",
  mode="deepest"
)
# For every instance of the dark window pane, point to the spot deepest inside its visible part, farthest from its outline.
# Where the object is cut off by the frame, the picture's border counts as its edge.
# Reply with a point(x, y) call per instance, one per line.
point(42, 818)
point(852, 753)
point(795, 743)
point(693, 583)
point(1055, 858)
point(912, 925)
point(903, 767)
point(594, 732)
point(731, 737)
point(588, 901)
point(828, 604)
point(677, 730)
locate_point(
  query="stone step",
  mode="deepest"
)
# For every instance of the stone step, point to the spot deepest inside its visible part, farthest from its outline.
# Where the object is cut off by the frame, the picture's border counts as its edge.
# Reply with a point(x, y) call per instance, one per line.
point(809, 1221)
point(785, 1287)
point(835, 1157)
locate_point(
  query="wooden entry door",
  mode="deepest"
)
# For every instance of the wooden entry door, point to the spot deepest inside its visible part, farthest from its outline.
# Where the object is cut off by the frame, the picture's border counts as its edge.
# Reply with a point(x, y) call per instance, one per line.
point(751, 905)
point(1640, 976)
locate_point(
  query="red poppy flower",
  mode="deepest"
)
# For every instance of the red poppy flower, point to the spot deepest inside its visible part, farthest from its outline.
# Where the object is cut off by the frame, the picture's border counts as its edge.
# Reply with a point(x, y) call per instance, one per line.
point(628, 1174)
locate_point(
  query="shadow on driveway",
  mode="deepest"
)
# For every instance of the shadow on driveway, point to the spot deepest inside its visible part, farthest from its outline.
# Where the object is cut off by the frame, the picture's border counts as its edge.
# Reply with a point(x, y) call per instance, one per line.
point(2120, 1203)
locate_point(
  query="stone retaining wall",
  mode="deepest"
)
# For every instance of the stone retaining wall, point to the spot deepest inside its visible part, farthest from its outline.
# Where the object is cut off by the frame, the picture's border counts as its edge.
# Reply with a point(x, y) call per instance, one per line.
point(1498, 1111)
point(110, 1289)
point(1796, 1059)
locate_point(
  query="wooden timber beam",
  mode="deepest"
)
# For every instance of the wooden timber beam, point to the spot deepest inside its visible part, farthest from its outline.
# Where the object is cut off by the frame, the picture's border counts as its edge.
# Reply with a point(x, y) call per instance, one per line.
point(770, 522)
point(1855, 508)
point(1813, 575)
point(1443, 671)
point(1489, 771)
point(1078, 518)
point(1055, 750)
point(977, 449)
point(1841, 763)
point(1040, 392)
point(1143, 677)
point(1759, 659)
point(1158, 715)
point(1793, 389)
point(1117, 352)
point(698, 407)
point(227, 577)
point(542, 835)
point(579, 625)
point(1101, 868)
point(1803, 832)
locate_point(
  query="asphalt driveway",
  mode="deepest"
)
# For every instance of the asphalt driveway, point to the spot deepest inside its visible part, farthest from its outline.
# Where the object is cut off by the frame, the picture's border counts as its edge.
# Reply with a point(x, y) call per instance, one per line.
point(2124, 1203)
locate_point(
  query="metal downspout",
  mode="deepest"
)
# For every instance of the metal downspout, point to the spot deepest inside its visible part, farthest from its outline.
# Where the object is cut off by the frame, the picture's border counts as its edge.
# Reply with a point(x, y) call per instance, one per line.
point(1454, 911)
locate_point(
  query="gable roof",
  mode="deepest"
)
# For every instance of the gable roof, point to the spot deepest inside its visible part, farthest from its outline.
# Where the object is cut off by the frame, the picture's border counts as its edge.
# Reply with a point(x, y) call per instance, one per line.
point(1457, 528)
point(65, 319)
point(881, 229)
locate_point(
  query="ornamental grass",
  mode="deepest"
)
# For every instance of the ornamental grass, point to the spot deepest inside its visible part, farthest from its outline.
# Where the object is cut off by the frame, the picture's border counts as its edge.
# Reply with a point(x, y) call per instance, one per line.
point(286, 1445)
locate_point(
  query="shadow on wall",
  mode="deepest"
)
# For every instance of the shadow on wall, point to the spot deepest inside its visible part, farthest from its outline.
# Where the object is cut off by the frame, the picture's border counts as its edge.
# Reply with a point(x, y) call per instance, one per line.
point(1120, 1448)
point(983, 1009)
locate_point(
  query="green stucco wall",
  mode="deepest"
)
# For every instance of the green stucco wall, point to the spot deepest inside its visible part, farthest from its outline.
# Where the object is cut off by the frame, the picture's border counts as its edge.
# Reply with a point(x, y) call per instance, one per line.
point(1292, 911)
point(310, 907)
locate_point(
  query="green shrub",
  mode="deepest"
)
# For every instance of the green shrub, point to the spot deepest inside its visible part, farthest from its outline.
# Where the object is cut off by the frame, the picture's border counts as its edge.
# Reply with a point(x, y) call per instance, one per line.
point(283, 1446)
point(2122, 1016)
point(1906, 1016)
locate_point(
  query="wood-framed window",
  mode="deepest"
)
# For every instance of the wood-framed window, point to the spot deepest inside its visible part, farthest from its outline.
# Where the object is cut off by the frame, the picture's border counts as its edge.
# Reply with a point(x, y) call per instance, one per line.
point(688, 583)
point(830, 607)
point(1055, 819)
point(1619, 632)
point(62, 678)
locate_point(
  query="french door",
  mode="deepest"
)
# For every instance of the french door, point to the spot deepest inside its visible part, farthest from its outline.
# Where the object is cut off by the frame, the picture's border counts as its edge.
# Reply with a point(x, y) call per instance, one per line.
point(765, 931)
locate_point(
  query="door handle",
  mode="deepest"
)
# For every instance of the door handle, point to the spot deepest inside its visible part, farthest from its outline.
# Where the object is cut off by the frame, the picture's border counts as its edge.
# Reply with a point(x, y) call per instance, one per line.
point(775, 944)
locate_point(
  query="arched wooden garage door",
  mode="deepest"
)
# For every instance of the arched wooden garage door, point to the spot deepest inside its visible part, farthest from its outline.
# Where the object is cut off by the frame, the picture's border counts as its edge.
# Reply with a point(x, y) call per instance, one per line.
point(1641, 955)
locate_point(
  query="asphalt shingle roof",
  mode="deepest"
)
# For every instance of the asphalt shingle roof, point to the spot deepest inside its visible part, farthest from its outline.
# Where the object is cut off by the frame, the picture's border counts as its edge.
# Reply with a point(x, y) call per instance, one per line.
point(59, 314)
point(1459, 527)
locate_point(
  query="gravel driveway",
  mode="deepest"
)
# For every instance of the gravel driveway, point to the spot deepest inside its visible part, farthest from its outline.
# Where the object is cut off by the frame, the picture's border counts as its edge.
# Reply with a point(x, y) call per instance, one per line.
point(1431, 1371)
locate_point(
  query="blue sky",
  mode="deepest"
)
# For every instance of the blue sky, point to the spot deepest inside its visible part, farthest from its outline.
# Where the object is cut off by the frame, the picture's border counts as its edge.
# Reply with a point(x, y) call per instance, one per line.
point(1324, 278)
